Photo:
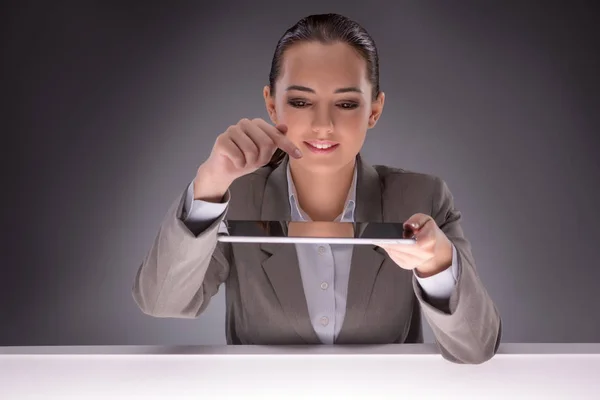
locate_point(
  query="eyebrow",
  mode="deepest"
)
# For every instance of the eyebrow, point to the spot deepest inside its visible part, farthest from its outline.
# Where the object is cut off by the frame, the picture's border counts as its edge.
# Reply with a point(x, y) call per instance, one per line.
point(307, 89)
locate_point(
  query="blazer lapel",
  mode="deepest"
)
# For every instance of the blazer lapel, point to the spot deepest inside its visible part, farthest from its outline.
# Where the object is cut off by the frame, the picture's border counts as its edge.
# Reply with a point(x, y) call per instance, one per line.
point(275, 202)
point(284, 274)
point(366, 259)
point(282, 266)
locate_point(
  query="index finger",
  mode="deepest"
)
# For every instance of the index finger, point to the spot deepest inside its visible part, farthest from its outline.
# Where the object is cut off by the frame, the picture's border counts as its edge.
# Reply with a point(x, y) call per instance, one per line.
point(279, 139)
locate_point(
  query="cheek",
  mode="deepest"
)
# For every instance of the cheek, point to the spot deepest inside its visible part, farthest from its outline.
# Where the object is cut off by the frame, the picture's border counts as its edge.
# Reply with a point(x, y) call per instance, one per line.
point(298, 123)
point(355, 118)
point(291, 116)
point(353, 125)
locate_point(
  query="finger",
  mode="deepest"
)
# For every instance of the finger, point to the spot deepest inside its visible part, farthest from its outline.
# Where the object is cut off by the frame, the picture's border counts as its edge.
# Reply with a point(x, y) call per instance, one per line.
point(417, 221)
point(279, 138)
point(421, 231)
point(283, 128)
point(425, 237)
point(246, 145)
point(266, 146)
point(234, 153)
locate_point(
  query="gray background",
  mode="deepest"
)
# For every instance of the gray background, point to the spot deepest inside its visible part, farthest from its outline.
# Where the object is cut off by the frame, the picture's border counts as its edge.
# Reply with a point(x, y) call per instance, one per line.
point(110, 108)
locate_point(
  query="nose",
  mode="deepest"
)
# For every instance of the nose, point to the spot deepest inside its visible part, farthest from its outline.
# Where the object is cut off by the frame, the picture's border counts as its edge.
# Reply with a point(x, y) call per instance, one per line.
point(322, 121)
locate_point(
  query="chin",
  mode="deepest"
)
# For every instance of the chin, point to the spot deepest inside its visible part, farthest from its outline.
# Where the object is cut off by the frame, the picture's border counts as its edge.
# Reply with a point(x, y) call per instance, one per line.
point(324, 164)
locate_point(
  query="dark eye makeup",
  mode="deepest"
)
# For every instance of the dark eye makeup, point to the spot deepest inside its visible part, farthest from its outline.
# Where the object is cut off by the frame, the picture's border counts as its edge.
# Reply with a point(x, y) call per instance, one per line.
point(345, 105)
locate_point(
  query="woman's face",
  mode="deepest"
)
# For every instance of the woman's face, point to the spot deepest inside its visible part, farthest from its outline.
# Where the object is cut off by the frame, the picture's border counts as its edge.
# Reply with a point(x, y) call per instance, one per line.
point(324, 97)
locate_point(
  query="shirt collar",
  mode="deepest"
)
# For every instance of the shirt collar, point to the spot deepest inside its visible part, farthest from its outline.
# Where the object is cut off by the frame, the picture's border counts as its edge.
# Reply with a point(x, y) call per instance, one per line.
point(298, 214)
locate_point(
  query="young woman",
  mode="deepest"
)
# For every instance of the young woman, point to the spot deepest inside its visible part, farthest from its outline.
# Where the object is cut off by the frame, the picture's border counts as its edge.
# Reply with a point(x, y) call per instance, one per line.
point(322, 97)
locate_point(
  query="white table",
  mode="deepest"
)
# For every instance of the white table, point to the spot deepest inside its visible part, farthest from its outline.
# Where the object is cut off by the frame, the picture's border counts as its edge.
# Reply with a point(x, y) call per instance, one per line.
point(529, 371)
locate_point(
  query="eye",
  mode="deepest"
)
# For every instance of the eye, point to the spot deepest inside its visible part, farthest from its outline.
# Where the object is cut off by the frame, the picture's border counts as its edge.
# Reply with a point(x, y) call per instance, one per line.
point(297, 103)
point(348, 105)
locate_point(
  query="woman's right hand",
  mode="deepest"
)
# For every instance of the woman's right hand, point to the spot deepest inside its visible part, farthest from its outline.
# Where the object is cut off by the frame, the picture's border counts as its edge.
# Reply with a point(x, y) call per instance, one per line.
point(241, 149)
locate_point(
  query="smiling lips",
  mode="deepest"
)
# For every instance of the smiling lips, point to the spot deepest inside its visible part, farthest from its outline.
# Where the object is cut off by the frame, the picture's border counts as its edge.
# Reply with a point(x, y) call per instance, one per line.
point(321, 146)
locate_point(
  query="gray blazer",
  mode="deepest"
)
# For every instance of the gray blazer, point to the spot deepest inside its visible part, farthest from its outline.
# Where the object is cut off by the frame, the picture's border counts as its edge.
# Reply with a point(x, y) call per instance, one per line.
point(263, 288)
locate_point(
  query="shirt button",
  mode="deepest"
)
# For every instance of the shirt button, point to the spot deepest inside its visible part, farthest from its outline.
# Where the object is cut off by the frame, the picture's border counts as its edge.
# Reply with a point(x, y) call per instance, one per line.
point(324, 285)
point(321, 250)
point(324, 321)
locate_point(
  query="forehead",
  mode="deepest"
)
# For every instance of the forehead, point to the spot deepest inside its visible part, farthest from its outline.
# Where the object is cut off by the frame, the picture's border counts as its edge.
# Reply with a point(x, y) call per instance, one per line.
point(323, 66)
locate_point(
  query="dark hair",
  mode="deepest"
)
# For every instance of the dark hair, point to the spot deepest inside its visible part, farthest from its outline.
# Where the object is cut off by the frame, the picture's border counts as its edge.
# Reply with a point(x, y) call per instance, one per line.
point(326, 29)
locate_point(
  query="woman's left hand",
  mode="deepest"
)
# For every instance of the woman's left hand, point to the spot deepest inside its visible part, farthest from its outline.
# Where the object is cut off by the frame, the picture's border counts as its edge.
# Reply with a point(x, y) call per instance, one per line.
point(432, 252)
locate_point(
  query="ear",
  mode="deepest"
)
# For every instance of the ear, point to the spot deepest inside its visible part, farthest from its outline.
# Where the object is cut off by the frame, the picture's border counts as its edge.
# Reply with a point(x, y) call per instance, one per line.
point(376, 109)
point(270, 103)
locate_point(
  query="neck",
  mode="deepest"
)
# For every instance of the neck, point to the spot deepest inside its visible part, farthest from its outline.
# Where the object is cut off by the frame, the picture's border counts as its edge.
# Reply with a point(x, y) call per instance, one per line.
point(322, 194)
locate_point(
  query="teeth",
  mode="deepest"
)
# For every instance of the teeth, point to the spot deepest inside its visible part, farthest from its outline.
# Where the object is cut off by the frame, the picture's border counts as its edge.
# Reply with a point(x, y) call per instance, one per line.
point(322, 146)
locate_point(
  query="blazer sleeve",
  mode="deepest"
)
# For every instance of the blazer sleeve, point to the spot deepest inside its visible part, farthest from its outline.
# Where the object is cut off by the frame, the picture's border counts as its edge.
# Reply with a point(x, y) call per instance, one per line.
point(467, 327)
point(183, 269)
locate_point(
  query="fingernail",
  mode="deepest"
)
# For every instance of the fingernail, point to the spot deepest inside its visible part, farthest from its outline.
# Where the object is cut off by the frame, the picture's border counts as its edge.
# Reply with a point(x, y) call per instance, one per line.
point(297, 153)
point(415, 225)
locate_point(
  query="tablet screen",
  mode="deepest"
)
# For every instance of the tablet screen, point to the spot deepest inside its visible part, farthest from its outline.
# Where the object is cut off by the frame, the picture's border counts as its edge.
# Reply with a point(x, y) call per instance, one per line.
point(314, 232)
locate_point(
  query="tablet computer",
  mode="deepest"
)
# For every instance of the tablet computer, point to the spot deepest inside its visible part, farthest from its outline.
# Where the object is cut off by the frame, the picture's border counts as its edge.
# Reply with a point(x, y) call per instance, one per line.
point(360, 233)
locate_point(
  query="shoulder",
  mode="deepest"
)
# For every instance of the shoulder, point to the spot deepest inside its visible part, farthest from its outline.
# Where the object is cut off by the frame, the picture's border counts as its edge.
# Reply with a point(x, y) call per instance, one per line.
point(415, 191)
point(393, 178)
